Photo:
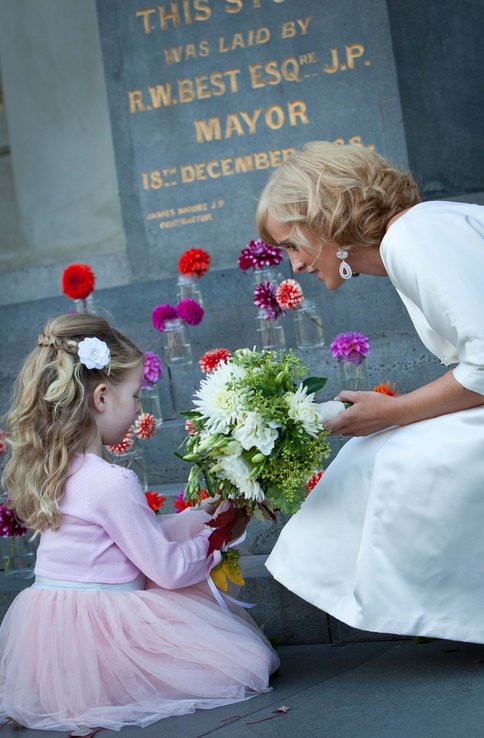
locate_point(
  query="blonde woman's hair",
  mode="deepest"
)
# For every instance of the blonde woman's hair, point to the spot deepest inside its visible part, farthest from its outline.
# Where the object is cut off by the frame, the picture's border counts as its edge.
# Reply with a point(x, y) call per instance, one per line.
point(341, 193)
point(51, 416)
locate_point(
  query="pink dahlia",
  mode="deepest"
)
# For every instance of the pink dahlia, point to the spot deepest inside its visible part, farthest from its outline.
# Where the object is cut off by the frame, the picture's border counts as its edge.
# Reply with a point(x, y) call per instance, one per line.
point(160, 314)
point(145, 426)
point(9, 525)
point(124, 445)
point(153, 369)
point(350, 346)
point(258, 254)
point(190, 311)
point(289, 294)
point(265, 299)
point(211, 359)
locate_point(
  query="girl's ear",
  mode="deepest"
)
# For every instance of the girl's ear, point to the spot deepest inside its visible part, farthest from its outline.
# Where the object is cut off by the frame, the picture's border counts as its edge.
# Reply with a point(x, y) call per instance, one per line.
point(99, 397)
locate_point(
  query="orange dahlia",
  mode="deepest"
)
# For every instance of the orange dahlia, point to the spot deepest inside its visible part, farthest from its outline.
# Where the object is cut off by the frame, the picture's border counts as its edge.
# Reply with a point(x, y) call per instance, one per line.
point(385, 389)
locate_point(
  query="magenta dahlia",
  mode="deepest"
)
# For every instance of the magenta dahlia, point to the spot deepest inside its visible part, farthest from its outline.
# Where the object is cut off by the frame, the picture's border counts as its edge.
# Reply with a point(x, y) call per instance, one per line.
point(9, 525)
point(190, 311)
point(153, 369)
point(160, 314)
point(258, 254)
point(265, 299)
point(350, 346)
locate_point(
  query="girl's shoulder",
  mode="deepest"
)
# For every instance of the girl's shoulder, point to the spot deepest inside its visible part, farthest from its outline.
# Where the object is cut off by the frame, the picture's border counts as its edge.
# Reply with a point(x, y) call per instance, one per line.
point(91, 473)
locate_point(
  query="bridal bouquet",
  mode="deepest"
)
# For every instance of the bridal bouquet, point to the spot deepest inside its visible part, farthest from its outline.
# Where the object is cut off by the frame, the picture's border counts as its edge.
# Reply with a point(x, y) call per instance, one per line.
point(256, 435)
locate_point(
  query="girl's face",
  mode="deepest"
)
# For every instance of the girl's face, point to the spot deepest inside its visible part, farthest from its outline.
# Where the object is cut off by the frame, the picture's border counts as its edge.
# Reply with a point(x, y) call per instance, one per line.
point(121, 407)
point(322, 261)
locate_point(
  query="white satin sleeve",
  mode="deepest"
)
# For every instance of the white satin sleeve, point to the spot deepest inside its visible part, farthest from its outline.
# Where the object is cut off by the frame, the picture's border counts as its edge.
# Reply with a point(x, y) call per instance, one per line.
point(434, 255)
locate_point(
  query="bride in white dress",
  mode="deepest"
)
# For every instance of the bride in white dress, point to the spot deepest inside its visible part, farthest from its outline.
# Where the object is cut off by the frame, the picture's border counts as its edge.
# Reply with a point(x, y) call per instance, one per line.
point(391, 539)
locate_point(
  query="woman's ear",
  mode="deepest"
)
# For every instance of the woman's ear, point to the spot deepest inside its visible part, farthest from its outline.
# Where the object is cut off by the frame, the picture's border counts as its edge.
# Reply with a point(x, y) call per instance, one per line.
point(99, 397)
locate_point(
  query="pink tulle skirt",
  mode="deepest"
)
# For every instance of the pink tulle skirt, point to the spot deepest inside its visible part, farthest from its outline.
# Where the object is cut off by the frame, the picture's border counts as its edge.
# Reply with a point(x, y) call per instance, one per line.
point(108, 659)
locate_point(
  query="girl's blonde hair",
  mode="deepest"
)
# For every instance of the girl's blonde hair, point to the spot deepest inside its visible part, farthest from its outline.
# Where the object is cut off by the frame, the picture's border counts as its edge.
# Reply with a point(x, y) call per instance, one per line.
point(341, 193)
point(51, 417)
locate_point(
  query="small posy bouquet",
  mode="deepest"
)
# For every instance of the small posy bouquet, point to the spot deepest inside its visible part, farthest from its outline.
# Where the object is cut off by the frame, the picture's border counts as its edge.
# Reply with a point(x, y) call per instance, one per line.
point(255, 437)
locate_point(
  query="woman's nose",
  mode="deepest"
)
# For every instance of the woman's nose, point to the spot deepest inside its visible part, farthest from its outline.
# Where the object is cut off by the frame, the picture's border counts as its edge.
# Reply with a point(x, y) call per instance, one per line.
point(297, 263)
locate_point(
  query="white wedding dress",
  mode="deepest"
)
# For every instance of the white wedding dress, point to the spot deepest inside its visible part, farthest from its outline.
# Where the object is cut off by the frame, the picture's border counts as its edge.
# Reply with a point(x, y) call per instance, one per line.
point(392, 537)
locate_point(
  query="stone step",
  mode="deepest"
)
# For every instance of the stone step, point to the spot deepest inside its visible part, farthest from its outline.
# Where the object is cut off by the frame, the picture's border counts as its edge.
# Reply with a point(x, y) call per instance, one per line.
point(284, 617)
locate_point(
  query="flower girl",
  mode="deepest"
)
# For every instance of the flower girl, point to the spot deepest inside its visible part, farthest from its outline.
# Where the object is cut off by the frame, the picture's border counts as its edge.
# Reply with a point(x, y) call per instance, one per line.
point(120, 627)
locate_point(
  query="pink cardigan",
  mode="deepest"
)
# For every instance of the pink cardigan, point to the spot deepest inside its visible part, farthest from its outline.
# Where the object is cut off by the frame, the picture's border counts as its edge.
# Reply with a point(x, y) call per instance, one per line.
point(109, 534)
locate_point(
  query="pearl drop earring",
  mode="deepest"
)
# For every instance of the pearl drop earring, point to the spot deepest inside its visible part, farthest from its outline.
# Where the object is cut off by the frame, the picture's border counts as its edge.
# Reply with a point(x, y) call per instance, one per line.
point(345, 270)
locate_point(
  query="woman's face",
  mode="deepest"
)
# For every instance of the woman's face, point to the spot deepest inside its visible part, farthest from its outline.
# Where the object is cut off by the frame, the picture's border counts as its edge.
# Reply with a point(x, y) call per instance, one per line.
point(322, 261)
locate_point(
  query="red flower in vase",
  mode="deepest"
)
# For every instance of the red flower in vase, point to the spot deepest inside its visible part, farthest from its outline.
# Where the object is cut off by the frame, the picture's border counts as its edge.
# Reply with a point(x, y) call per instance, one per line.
point(211, 359)
point(155, 500)
point(145, 426)
point(289, 294)
point(124, 445)
point(78, 281)
point(194, 262)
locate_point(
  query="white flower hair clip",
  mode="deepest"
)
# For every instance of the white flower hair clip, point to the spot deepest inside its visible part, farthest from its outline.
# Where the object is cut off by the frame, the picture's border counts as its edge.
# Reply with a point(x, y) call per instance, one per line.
point(93, 353)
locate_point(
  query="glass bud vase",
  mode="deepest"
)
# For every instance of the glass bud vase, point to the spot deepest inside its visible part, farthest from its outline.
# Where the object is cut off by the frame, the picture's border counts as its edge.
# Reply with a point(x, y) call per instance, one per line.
point(177, 349)
point(89, 305)
point(150, 403)
point(187, 286)
point(18, 556)
point(267, 274)
point(271, 333)
point(353, 373)
point(133, 459)
point(309, 326)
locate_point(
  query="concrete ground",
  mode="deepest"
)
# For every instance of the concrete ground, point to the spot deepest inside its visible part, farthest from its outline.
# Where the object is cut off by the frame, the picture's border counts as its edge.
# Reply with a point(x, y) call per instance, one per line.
point(392, 689)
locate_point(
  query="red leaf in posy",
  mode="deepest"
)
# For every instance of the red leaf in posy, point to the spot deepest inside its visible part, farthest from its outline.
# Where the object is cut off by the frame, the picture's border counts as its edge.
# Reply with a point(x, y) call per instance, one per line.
point(223, 526)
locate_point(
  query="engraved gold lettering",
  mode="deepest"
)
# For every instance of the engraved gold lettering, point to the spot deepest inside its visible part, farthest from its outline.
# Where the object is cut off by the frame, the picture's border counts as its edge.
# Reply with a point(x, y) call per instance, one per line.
point(297, 110)
point(353, 51)
point(145, 14)
point(233, 125)
point(208, 131)
point(254, 38)
point(204, 12)
point(135, 101)
point(334, 63)
point(160, 95)
point(166, 16)
point(233, 6)
point(274, 117)
point(251, 120)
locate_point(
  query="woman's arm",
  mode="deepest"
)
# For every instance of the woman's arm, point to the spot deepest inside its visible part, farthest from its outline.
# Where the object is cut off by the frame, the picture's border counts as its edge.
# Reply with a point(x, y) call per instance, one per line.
point(372, 411)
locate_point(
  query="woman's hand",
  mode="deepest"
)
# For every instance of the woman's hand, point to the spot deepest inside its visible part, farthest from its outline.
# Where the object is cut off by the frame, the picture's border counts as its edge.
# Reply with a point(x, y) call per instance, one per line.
point(373, 411)
point(370, 412)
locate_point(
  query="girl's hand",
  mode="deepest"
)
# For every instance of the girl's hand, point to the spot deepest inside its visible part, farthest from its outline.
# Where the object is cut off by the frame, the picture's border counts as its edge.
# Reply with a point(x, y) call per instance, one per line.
point(369, 413)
